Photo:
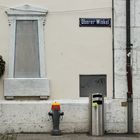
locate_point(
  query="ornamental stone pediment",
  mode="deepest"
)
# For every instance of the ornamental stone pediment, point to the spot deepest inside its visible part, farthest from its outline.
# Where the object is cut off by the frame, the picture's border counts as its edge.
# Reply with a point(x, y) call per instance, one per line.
point(26, 10)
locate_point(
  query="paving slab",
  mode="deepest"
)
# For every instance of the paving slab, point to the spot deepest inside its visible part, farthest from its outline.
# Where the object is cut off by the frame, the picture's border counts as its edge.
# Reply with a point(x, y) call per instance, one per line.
point(68, 137)
point(8, 136)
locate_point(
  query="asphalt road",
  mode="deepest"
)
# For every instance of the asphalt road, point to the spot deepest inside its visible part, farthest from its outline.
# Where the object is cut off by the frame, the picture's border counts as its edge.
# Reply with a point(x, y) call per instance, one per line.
point(67, 137)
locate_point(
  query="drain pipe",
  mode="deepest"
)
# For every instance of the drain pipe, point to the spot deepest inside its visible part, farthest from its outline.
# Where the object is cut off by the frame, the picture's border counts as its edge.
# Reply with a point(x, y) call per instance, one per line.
point(129, 71)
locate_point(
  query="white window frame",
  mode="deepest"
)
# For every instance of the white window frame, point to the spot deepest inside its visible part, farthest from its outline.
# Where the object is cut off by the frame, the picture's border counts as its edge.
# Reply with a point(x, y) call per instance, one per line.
point(34, 86)
point(26, 12)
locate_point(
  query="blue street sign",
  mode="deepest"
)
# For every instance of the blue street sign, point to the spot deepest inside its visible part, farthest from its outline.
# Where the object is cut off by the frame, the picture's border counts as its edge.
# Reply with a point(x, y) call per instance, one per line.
point(95, 22)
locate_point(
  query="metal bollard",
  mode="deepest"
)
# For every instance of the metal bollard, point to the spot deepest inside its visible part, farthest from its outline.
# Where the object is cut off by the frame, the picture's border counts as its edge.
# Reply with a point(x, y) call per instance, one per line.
point(96, 114)
point(56, 113)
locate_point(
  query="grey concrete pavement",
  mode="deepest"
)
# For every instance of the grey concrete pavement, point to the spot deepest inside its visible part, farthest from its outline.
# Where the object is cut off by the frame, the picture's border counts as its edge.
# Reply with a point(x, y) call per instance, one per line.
point(8, 136)
point(67, 137)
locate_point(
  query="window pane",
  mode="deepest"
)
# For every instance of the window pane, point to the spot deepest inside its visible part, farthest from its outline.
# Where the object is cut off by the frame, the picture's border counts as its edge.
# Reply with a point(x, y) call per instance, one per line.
point(92, 84)
point(27, 50)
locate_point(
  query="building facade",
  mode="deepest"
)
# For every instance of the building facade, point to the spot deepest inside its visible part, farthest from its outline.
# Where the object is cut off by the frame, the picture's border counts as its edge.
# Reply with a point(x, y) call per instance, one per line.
point(120, 55)
point(51, 57)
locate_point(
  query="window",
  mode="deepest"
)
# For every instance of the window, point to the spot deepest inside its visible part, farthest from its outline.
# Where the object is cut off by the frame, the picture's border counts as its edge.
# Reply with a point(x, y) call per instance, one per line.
point(92, 84)
point(26, 75)
point(27, 42)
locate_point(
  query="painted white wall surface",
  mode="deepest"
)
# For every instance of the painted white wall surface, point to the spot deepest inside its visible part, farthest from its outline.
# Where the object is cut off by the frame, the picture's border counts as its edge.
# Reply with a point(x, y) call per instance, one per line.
point(25, 116)
point(120, 55)
point(70, 50)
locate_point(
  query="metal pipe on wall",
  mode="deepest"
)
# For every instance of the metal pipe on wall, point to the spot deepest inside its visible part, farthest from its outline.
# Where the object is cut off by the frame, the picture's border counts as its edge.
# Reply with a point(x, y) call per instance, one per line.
point(129, 70)
point(113, 49)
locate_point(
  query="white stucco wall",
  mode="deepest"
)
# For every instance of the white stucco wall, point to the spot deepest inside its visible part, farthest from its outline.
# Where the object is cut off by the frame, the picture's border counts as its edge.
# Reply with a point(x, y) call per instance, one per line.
point(33, 116)
point(120, 55)
point(135, 29)
point(70, 50)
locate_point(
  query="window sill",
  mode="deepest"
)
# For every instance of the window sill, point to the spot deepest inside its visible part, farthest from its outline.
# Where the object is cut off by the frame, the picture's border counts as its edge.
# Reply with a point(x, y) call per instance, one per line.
point(26, 87)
